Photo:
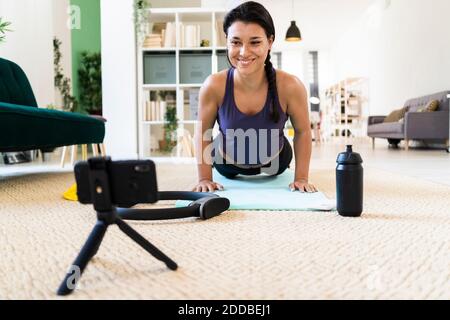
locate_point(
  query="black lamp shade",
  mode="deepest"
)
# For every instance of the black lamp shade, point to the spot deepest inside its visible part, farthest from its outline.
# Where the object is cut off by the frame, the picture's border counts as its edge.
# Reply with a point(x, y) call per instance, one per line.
point(293, 33)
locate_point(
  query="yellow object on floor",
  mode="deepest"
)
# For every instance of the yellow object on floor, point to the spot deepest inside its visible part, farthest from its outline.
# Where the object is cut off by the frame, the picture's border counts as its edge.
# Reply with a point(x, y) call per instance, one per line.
point(71, 193)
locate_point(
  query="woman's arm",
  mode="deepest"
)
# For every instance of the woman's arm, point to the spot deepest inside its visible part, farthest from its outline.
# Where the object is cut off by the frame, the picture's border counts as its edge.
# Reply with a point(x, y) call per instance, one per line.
point(298, 111)
point(207, 115)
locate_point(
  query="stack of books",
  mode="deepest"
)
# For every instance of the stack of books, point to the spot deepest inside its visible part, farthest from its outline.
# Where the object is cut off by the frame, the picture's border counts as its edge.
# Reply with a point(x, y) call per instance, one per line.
point(153, 41)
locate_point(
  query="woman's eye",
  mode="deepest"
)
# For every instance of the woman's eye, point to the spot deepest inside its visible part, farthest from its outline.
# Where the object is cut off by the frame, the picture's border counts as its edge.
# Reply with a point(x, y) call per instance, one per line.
point(256, 43)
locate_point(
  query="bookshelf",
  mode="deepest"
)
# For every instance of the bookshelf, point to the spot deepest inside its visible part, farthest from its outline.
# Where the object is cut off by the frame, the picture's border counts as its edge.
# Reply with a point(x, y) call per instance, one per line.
point(346, 107)
point(183, 46)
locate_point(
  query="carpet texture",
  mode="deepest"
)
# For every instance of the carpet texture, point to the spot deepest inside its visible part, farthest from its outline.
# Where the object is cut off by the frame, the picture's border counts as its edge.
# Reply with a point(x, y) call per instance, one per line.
point(398, 249)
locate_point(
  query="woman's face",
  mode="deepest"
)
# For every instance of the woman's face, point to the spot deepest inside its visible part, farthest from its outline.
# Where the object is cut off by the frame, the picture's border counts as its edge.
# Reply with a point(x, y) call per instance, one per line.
point(248, 46)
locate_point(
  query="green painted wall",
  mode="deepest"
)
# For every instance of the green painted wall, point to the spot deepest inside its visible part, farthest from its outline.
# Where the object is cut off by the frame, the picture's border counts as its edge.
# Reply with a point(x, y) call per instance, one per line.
point(87, 38)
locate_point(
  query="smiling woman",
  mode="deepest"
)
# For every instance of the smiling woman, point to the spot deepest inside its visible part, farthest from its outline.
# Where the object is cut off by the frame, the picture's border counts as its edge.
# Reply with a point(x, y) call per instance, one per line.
point(251, 103)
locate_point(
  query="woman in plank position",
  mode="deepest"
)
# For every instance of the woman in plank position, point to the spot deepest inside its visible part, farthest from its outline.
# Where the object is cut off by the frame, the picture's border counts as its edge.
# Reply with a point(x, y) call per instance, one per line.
point(251, 102)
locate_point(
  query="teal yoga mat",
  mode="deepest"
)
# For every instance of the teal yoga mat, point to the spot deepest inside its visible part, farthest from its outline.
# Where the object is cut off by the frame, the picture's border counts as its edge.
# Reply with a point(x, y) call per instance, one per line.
point(268, 193)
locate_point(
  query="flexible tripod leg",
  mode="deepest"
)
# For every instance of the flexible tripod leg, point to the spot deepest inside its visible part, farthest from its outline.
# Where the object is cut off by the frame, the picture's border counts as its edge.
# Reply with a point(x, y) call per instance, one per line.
point(87, 252)
point(145, 244)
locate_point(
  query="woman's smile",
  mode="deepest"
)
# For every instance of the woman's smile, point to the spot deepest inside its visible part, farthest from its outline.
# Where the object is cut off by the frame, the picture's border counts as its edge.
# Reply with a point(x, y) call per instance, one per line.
point(245, 62)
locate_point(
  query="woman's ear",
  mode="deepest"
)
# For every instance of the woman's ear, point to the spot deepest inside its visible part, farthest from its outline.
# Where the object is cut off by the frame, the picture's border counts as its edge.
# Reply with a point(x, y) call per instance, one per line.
point(271, 42)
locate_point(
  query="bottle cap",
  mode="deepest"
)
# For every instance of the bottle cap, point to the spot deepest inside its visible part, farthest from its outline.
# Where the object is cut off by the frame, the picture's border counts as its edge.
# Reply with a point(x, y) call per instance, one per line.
point(349, 157)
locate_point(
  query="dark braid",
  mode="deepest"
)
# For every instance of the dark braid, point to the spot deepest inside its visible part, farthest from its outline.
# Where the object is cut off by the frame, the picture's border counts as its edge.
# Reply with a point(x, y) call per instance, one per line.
point(255, 12)
point(272, 79)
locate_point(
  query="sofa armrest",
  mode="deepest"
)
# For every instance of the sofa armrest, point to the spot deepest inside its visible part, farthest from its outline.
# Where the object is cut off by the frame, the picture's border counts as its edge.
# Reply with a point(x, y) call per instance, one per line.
point(376, 119)
point(427, 125)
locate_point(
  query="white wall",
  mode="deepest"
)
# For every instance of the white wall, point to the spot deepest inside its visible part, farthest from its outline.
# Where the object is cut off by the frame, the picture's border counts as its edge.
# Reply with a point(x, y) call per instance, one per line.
point(403, 49)
point(175, 3)
point(119, 77)
point(30, 45)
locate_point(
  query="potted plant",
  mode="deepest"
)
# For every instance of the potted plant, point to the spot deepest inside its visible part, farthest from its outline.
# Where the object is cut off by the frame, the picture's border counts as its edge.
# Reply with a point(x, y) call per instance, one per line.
point(170, 130)
point(90, 82)
point(141, 19)
point(3, 29)
point(62, 83)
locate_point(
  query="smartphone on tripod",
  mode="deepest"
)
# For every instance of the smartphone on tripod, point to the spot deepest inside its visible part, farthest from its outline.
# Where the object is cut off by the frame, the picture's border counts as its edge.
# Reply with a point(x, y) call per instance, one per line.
point(130, 182)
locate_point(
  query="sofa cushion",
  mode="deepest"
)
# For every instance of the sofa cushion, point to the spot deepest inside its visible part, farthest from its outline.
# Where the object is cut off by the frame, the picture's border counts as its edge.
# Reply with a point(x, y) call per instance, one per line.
point(24, 128)
point(395, 115)
point(431, 106)
point(381, 128)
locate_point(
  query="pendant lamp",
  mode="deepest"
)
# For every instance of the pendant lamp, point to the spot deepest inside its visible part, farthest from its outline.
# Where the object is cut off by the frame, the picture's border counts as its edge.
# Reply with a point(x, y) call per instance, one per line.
point(293, 33)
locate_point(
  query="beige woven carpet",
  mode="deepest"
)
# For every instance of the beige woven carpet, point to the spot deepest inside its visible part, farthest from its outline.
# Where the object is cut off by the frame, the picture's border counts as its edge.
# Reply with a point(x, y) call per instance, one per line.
point(399, 249)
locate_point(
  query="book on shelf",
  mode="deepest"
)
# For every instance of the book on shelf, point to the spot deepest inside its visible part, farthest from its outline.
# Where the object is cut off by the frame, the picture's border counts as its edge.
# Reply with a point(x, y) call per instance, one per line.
point(155, 110)
point(187, 145)
point(168, 35)
point(158, 27)
point(193, 103)
point(189, 35)
point(220, 35)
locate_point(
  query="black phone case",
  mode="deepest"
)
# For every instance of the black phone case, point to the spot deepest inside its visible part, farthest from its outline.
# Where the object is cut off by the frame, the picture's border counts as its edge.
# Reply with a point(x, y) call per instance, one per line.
point(131, 182)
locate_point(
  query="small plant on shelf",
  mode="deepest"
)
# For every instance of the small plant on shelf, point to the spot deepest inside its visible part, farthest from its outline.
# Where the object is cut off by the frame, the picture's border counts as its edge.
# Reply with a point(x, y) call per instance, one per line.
point(170, 129)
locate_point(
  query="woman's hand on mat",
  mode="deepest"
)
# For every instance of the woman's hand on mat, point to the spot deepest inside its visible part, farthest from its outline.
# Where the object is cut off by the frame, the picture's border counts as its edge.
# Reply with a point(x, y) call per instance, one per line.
point(302, 186)
point(207, 186)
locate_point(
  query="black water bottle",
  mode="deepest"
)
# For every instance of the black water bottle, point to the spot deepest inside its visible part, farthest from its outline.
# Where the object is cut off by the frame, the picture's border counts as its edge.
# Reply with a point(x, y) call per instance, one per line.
point(349, 183)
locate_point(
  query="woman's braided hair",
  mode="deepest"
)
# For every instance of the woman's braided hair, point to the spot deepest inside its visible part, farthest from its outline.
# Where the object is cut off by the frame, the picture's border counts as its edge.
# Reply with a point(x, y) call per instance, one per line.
point(253, 12)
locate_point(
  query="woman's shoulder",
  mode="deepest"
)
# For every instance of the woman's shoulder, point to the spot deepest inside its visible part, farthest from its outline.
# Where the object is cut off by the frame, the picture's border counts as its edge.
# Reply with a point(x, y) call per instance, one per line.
point(287, 82)
point(288, 79)
point(215, 84)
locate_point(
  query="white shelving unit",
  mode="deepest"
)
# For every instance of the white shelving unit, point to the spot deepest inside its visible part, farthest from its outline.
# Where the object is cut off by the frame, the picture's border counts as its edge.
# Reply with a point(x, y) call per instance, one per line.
point(150, 131)
point(346, 107)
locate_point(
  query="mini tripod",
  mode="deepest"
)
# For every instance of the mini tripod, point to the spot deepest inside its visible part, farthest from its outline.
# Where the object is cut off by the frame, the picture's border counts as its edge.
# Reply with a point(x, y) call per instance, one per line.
point(106, 216)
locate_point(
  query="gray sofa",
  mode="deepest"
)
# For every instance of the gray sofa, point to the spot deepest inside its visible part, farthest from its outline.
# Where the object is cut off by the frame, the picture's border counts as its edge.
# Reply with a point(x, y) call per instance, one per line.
point(416, 125)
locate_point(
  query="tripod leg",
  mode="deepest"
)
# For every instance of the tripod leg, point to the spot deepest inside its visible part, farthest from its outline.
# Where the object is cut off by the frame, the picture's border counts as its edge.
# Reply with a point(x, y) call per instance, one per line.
point(146, 244)
point(87, 252)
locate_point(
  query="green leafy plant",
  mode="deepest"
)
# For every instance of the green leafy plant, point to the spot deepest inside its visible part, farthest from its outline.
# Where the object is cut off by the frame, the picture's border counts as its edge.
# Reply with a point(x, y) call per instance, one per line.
point(90, 82)
point(3, 29)
point(141, 18)
point(62, 83)
point(170, 128)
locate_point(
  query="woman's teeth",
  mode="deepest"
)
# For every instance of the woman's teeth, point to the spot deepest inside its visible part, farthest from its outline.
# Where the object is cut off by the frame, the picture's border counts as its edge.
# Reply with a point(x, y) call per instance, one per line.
point(245, 62)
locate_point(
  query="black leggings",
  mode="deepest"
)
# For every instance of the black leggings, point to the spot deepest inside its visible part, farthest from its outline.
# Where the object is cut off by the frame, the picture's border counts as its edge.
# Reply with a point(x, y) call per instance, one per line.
point(284, 159)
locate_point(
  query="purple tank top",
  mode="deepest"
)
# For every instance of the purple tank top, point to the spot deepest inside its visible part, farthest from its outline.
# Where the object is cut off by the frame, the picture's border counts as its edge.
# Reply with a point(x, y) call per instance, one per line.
point(249, 140)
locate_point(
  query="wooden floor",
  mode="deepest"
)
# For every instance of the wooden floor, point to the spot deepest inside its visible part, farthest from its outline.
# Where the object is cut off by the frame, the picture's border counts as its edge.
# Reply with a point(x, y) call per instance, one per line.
point(426, 164)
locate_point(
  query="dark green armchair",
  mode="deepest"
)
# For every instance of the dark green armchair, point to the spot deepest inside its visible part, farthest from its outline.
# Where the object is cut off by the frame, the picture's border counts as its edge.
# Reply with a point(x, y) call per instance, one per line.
point(24, 126)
